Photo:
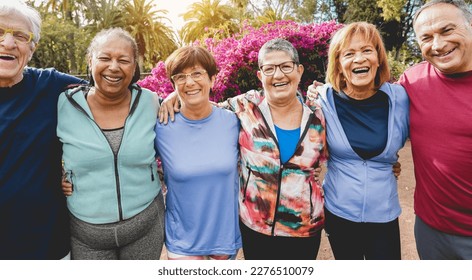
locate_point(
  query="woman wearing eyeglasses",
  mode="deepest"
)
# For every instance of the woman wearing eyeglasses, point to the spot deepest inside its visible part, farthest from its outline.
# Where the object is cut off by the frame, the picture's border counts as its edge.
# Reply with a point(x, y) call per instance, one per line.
point(199, 154)
point(282, 141)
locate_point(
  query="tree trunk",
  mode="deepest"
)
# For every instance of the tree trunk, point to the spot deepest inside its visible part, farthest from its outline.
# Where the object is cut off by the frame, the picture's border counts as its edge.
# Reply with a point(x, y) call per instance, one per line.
point(70, 37)
point(141, 63)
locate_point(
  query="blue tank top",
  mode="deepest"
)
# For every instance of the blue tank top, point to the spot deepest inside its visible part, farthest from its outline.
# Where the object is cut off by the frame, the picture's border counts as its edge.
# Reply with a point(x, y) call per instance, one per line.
point(288, 140)
point(365, 122)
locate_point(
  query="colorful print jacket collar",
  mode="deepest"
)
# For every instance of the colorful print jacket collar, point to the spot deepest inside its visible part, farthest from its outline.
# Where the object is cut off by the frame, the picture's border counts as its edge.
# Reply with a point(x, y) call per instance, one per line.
point(276, 199)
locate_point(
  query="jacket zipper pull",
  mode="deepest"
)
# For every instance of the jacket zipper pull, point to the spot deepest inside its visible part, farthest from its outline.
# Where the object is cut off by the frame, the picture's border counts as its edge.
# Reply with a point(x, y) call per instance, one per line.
point(152, 175)
point(70, 176)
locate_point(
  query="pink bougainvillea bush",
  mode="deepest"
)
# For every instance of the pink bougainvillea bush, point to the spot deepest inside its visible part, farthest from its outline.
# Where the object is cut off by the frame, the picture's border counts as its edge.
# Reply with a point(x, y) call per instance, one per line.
point(236, 57)
point(158, 81)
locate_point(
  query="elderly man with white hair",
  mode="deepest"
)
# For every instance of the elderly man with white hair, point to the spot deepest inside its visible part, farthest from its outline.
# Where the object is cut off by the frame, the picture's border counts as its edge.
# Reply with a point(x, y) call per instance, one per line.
point(33, 211)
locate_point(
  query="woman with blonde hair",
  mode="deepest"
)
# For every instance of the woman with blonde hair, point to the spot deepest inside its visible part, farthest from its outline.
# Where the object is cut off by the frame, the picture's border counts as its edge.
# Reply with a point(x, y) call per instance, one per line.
point(367, 124)
point(282, 142)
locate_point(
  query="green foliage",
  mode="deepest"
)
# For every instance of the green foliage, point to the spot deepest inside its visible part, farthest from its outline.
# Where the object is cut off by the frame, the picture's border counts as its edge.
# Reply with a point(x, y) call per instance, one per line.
point(221, 32)
point(154, 38)
point(103, 14)
point(241, 11)
point(237, 56)
point(396, 67)
point(267, 11)
point(392, 9)
point(69, 25)
point(392, 17)
point(362, 10)
point(55, 44)
point(66, 9)
point(305, 10)
point(400, 61)
point(268, 16)
point(206, 17)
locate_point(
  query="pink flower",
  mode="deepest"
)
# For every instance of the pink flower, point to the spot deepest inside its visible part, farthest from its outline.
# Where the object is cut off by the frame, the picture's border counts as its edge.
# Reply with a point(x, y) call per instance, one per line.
point(236, 57)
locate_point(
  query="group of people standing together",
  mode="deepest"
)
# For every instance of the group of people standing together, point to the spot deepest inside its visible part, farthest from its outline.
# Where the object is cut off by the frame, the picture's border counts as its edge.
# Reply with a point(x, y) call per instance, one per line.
point(244, 172)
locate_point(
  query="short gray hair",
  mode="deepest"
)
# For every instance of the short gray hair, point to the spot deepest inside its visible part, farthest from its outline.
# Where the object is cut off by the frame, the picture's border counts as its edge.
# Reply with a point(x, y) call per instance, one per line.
point(460, 4)
point(119, 33)
point(112, 32)
point(29, 14)
point(278, 44)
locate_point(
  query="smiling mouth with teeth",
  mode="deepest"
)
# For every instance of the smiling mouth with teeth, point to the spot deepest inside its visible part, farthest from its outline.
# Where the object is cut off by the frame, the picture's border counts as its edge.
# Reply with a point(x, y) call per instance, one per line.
point(7, 57)
point(279, 84)
point(194, 92)
point(360, 70)
point(111, 79)
point(444, 54)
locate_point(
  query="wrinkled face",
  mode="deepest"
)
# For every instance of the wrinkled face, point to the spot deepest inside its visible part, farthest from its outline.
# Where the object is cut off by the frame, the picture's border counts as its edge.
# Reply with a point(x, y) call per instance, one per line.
point(282, 85)
point(14, 55)
point(193, 86)
point(445, 38)
point(359, 63)
point(112, 65)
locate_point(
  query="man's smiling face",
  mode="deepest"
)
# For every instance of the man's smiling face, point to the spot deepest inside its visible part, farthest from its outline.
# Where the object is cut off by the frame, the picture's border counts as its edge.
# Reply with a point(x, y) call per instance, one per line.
point(445, 38)
point(14, 55)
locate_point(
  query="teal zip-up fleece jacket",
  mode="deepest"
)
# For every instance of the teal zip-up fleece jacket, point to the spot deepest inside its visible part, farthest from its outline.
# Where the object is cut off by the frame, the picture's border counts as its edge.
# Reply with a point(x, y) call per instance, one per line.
point(108, 189)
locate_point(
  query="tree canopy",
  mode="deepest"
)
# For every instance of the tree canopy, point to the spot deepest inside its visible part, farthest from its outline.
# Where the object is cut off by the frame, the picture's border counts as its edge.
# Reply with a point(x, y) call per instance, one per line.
point(69, 25)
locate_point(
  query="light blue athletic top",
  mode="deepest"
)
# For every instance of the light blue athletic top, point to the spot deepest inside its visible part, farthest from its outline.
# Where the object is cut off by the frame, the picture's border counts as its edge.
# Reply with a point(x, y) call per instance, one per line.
point(200, 162)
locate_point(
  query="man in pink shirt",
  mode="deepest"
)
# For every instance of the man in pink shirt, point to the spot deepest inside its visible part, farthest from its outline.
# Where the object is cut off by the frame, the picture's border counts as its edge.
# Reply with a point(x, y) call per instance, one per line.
point(440, 92)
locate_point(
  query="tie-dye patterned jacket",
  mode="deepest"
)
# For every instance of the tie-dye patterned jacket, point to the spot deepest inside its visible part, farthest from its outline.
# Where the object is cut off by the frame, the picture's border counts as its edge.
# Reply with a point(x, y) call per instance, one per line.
point(276, 199)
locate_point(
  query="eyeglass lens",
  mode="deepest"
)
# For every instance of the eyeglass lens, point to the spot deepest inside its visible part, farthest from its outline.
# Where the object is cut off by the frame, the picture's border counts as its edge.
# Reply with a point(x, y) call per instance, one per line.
point(286, 68)
point(19, 36)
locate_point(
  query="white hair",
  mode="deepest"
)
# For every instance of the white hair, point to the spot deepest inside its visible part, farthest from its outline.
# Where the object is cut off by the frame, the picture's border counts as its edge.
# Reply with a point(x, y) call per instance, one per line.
point(28, 13)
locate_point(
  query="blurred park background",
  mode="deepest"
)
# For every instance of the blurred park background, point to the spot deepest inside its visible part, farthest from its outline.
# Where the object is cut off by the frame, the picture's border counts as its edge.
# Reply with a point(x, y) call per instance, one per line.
point(69, 25)
point(233, 30)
